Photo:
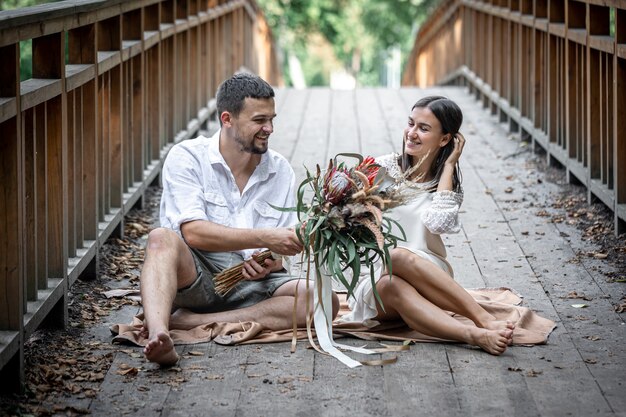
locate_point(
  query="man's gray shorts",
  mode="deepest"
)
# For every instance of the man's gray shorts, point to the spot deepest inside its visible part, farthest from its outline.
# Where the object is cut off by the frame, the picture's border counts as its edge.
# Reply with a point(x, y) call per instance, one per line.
point(200, 296)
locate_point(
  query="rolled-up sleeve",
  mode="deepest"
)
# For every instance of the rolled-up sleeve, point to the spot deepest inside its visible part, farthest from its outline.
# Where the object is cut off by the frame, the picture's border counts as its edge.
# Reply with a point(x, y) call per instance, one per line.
point(443, 214)
point(183, 197)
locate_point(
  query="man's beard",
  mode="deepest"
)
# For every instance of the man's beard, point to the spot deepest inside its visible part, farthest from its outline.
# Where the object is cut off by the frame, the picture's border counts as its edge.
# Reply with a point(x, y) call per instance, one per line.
point(250, 147)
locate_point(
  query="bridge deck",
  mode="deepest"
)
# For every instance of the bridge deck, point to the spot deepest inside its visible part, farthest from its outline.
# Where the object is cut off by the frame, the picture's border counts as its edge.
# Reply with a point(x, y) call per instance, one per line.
point(504, 242)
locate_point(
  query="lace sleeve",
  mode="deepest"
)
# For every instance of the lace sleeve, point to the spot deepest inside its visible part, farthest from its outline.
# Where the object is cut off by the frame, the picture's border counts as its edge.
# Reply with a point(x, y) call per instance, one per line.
point(443, 214)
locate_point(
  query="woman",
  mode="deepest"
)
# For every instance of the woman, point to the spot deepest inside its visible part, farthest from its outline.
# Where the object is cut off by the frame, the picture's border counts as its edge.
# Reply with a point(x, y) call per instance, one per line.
point(422, 287)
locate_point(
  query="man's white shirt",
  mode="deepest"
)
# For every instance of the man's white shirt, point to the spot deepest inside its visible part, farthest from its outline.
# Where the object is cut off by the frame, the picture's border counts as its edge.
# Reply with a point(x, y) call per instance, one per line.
point(199, 185)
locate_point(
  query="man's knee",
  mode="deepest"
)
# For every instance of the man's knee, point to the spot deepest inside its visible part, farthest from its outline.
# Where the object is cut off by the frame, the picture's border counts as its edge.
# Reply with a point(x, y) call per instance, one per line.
point(161, 239)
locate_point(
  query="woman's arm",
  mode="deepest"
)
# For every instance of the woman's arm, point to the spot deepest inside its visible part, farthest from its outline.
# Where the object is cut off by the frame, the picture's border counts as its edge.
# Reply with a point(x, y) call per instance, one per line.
point(445, 182)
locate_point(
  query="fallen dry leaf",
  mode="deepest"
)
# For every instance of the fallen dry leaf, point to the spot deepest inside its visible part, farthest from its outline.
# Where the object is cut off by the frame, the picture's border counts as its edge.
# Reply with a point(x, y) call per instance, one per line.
point(574, 294)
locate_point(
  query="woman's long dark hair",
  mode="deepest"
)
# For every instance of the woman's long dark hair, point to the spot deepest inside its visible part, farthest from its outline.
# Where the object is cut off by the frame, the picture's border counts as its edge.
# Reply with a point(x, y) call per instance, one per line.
point(450, 117)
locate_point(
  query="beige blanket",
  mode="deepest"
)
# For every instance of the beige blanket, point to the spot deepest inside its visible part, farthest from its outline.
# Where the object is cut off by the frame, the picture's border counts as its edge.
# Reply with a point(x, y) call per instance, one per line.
point(504, 304)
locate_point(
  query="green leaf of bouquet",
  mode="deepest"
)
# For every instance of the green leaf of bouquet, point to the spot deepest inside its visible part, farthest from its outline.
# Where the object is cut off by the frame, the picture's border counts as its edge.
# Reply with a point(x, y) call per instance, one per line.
point(319, 222)
point(373, 279)
point(400, 228)
point(284, 209)
point(387, 260)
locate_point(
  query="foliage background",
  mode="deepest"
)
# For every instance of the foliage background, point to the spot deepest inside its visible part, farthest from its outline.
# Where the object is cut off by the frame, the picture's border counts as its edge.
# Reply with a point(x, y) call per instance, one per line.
point(354, 37)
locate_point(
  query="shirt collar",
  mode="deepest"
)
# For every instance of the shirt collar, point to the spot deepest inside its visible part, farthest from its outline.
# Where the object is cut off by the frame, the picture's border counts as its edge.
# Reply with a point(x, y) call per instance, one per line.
point(266, 167)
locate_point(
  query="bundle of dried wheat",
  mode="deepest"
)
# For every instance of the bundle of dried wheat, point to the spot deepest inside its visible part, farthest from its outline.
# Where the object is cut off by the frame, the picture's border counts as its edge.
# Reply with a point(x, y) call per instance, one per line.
point(226, 280)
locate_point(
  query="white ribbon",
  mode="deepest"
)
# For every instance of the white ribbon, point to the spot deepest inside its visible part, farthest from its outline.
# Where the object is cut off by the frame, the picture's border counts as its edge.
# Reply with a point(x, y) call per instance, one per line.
point(323, 322)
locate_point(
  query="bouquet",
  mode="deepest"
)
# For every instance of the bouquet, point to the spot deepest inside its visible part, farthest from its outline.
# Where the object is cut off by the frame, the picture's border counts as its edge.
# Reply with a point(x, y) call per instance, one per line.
point(343, 228)
point(343, 224)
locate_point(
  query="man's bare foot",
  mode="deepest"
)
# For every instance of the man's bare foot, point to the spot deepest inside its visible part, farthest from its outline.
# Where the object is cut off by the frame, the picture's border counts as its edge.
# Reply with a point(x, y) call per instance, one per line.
point(491, 341)
point(160, 349)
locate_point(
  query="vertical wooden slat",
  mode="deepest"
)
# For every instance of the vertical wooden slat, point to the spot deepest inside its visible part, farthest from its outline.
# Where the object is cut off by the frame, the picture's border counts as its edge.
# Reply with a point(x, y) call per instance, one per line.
point(619, 121)
point(619, 138)
point(153, 103)
point(41, 181)
point(137, 120)
point(78, 168)
point(49, 62)
point(71, 172)
point(116, 136)
point(57, 188)
point(12, 295)
point(593, 102)
point(30, 201)
point(103, 145)
point(91, 160)
point(82, 50)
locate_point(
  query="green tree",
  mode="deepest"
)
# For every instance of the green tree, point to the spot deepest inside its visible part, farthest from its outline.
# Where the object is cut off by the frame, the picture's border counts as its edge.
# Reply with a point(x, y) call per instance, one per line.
point(26, 54)
point(361, 32)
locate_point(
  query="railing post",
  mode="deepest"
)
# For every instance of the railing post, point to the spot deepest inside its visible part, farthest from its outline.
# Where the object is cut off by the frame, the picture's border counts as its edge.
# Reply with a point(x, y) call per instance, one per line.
point(49, 63)
point(12, 296)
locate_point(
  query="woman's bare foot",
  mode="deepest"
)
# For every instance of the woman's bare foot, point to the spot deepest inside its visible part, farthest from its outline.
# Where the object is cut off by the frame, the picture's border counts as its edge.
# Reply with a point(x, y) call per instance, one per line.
point(491, 341)
point(501, 325)
point(160, 349)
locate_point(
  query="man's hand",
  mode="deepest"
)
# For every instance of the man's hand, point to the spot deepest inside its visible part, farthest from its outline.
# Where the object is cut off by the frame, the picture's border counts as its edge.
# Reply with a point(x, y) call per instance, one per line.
point(252, 270)
point(282, 241)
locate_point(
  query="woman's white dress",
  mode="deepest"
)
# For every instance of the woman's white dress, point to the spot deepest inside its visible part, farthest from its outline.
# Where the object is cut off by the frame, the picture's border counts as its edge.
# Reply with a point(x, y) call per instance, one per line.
point(423, 220)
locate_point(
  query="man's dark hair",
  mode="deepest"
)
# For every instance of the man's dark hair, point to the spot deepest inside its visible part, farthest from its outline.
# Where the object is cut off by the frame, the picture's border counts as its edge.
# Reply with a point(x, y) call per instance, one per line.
point(232, 92)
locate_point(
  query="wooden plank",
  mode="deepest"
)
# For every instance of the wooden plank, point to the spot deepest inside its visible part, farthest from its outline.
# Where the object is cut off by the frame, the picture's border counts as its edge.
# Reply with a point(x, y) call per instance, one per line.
point(127, 149)
point(103, 144)
point(291, 107)
point(374, 141)
point(41, 199)
point(79, 223)
point(90, 160)
point(30, 209)
point(70, 198)
point(312, 145)
point(35, 91)
point(138, 94)
point(116, 138)
point(343, 132)
point(554, 278)
point(593, 112)
point(619, 131)
point(11, 284)
point(57, 187)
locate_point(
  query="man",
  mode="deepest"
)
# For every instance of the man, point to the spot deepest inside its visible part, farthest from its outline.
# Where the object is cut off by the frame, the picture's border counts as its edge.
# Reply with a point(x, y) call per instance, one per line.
point(215, 213)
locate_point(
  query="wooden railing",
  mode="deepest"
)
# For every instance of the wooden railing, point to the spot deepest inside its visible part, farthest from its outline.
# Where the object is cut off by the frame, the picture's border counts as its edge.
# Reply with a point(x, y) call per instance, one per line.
point(554, 69)
point(115, 84)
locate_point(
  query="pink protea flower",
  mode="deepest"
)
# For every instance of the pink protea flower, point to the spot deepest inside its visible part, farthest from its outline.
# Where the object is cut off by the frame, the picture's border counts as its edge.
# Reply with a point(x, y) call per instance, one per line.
point(337, 184)
point(370, 168)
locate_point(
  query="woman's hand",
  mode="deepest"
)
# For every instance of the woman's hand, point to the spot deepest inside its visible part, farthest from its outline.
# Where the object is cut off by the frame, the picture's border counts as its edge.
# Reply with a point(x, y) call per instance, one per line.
point(459, 142)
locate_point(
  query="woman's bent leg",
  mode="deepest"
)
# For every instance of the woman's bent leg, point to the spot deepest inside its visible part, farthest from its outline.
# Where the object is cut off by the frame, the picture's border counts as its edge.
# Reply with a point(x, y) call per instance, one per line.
point(402, 300)
point(441, 289)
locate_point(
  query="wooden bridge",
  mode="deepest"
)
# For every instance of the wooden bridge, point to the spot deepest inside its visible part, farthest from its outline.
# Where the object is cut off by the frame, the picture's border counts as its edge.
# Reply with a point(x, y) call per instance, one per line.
point(116, 83)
